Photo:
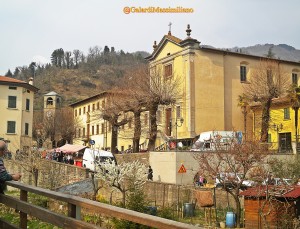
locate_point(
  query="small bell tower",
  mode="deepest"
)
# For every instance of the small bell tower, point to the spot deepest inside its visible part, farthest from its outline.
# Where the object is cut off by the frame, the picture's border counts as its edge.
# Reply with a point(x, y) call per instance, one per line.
point(52, 102)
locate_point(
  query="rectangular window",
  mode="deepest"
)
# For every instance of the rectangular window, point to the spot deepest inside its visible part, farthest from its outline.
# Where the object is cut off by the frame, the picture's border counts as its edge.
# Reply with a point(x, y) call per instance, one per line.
point(93, 129)
point(83, 110)
point(146, 120)
point(97, 129)
point(159, 116)
point(88, 108)
point(102, 128)
point(286, 112)
point(269, 74)
point(11, 127)
point(178, 112)
point(27, 104)
point(12, 88)
point(168, 70)
point(93, 106)
point(12, 101)
point(243, 73)
point(130, 124)
point(295, 79)
point(79, 111)
point(83, 132)
point(26, 129)
point(76, 113)
point(98, 106)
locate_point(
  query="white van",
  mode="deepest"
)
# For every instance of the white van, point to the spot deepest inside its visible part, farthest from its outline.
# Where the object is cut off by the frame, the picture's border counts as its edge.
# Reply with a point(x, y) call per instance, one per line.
point(210, 139)
point(90, 156)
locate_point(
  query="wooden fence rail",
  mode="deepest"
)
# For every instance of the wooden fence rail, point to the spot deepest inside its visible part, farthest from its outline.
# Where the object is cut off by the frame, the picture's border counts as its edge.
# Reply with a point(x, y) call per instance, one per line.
point(75, 203)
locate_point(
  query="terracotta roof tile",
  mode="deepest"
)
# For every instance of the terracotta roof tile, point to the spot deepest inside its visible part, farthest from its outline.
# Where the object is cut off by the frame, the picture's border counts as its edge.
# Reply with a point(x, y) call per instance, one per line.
point(9, 79)
point(279, 191)
point(173, 38)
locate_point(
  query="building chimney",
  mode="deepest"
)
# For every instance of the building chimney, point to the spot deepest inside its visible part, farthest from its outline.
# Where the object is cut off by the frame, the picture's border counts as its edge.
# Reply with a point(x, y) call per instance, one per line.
point(30, 81)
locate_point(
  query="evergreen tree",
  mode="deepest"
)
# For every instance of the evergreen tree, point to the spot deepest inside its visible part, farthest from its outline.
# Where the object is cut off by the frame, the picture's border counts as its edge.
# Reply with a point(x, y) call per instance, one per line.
point(57, 57)
point(9, 74)
point(106, 50)
point(16, 72)
point(54, 58)
point(270, 53)
point(32, 67)
point(60, 57)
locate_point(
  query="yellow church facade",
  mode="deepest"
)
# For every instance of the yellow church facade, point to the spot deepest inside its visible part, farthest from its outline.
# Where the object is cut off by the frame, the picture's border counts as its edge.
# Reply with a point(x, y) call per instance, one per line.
point(212, 80)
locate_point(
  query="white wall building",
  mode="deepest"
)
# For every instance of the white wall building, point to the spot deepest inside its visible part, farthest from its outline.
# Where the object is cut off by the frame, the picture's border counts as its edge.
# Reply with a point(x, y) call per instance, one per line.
point(16, 112)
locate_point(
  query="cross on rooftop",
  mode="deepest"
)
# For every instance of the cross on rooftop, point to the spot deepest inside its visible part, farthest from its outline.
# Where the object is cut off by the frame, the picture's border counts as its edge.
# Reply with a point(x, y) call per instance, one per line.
point(170, 24)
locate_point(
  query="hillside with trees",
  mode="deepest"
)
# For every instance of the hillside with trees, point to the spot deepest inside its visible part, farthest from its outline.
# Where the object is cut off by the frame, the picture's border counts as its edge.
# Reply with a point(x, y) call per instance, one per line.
point(76, 76)
point(281, 51)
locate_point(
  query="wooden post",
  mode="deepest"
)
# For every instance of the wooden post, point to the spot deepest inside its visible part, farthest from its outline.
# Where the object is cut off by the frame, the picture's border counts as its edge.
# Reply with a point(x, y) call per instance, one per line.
point(23, 216)
point(87, 173)
point(164, 193)
point(215, 205)
point(74, 211)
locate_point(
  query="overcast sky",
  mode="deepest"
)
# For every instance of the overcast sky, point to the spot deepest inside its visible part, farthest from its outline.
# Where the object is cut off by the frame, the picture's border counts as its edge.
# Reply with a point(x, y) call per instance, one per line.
point(32, 29)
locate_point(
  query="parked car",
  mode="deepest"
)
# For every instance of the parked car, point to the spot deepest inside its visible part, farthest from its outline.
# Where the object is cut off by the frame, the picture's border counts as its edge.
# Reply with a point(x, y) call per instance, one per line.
point(278, 181)
point(230, 179)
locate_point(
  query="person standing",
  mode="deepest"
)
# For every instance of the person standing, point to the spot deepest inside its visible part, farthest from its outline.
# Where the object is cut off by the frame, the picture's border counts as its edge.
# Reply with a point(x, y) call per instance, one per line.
point(201, 179)
point(4, 175)
point(150, 173)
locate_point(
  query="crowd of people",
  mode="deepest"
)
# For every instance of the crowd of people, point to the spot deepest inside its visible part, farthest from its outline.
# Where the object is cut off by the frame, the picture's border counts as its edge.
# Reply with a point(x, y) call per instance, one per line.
point(59, 157)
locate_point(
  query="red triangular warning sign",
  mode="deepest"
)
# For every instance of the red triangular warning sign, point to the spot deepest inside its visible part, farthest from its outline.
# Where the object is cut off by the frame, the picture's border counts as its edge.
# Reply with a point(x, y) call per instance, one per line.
point(182, 169)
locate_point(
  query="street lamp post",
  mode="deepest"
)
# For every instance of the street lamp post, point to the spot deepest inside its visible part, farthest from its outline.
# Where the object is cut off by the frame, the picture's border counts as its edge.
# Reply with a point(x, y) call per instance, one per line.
point(181, 120)
point(277, 128)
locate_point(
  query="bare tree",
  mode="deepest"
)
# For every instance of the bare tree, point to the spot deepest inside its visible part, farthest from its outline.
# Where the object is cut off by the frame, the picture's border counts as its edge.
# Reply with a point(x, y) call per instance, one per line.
point(236, 164)
point(59, 126)
point(135, 102)
point(77, 53)
point(243, 104)
point(114, 112)
point(65, 124)
point(145, 91)
point(156, 89)
point(123, 177)
point(38, 131)
point(68, 59)
point(267, 81)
